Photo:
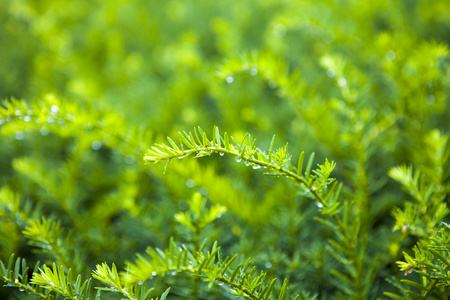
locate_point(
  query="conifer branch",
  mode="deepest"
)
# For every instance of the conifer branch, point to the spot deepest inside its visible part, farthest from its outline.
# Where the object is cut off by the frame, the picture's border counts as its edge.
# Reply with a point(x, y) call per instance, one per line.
point(431, 262)
point(243, 280)
point(52, 114)
point(275, 162)
point(50, 237)
point(55, 280)
point(46, 282)
point(15, 274)
point(110, 276)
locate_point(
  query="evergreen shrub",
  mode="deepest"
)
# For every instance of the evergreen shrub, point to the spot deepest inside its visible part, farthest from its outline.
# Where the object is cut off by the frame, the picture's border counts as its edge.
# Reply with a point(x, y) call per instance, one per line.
point(224, 149)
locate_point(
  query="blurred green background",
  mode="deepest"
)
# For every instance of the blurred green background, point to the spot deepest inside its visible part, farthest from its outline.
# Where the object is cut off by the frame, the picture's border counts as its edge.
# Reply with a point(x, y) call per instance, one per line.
point(360, 83)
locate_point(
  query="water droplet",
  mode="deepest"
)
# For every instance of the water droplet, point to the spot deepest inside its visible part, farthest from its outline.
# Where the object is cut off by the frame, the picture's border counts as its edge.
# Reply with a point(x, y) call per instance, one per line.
point(218, 216)
point(342, 81)
point(129, 159)
point(221, 283)
point(268, 265)
point(279, 30)
point(272, 84)
point(165, 167)
point(174, 273)
point(50, 120)
point(183, 205)
point(44, 131)
point(390, 55)
point(255, 167)
point(1, 121)
point(331, 73)
point(253, 71)
point(238, 159)
point(247, 163)
point(54, 109)
point(8, 118)
point(307, 191)
point(21, 290)
point(96, 145)
point(20, 135)
point(27, 118)
point(319, 205)
point(190, 183)
point(18, 113)
point(328, 36)
point(153, 273)
point(140, 282)
point(316, 32)
point(229, 79)
point(221, 154)
point(203, 191)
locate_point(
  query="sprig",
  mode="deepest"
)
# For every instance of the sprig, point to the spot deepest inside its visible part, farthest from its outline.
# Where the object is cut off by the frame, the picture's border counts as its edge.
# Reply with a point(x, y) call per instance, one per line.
point(431, 262)
point(198, 216)
point(15, 274)
point(55, 280)
point(51, 114)
point(110, 276)
point(243, 280)
point(274, 162)
point(50, 238)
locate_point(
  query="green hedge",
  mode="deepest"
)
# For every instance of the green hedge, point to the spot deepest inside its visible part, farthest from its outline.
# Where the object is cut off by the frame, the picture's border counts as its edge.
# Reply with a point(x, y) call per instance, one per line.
point(253, 149)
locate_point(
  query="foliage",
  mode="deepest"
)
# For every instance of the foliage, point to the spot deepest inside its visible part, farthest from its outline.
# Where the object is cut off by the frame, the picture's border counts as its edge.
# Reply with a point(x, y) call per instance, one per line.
point(129, 127)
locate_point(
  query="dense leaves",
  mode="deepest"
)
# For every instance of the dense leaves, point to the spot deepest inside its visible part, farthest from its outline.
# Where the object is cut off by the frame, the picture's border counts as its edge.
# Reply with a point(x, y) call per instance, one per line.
point(251, 148)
